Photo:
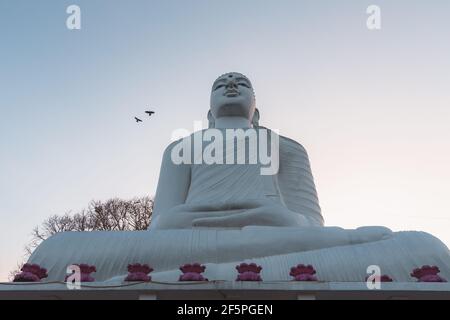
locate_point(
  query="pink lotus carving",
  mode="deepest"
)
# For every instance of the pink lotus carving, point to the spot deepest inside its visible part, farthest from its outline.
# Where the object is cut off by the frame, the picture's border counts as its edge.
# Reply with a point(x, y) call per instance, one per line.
point(138, 276)
point(249, 276)
point(35, 269)
point(137, 267)
point(432, 278)
point(383, 278)
point(194, 268)
point(427, 274)
point(86, 278)
point(31, 273)
point(303, 272)
point(192, 276)
point(26, 277)
point(305, 277)
point(139, 272)
point(85, 268)
point(192, 272)
point(424, 271)
point(252, 267)
point(86, 271)
point(248, 272)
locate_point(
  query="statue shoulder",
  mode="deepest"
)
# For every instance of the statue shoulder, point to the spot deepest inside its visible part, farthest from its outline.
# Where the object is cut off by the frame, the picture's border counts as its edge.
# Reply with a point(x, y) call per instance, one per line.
point(293, 151)
point(293, 144)
point(288, 144)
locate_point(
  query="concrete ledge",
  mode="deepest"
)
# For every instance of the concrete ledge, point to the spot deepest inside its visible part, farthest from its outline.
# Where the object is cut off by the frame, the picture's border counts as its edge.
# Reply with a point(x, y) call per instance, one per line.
point(223, 290)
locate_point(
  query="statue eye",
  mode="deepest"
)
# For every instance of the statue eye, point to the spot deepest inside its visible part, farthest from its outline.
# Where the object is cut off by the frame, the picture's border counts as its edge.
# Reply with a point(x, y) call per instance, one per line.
point(244, 84)
point(219, 86)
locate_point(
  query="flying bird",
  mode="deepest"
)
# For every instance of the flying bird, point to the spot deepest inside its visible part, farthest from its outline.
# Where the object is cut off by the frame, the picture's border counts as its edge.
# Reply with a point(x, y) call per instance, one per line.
point(137, 119)
point(150, 113)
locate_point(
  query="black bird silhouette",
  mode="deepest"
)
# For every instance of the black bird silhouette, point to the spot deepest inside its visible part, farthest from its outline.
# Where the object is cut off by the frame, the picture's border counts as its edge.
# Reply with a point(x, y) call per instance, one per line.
point(150, 113)
point(137, 119)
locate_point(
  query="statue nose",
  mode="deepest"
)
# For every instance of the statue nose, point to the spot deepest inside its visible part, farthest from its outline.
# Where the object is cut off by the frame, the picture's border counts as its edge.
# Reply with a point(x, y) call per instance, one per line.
point(231, 84)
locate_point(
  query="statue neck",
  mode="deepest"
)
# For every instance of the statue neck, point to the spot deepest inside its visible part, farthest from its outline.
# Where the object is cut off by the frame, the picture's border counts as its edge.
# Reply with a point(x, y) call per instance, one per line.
point(232, 123)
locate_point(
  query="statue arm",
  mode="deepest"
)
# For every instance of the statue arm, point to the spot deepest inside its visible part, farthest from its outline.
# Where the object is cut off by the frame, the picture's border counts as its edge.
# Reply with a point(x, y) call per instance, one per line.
point(296, 182)
point(173, 185)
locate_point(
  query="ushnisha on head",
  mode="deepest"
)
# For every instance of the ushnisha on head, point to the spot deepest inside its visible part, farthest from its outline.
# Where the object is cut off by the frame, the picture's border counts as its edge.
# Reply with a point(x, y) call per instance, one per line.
point(232, 96)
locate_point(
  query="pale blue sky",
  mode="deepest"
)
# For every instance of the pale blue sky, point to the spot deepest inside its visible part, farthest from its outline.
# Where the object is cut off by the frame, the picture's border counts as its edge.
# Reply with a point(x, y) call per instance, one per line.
point(371, 107)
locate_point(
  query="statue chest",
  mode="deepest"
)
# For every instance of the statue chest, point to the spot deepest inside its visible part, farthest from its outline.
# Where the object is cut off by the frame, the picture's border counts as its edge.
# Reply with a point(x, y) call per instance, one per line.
point(230, 182)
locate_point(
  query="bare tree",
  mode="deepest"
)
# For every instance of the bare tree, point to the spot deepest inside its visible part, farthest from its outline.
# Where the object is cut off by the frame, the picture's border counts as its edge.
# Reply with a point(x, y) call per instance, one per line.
point(113, 214)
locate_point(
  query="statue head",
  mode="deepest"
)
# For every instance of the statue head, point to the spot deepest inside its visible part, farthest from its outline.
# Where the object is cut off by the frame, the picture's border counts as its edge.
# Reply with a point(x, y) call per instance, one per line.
point(232, 95)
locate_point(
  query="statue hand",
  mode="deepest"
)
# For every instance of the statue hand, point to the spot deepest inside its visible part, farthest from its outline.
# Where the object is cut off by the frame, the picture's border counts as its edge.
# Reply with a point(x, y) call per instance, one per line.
point(369, 234)
point(255, 212)
point(176, 219)
point(267, 214)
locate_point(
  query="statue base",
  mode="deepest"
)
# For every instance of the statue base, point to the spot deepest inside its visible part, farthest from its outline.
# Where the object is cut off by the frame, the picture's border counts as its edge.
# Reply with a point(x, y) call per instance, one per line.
point(276, 250)
point(231, 290)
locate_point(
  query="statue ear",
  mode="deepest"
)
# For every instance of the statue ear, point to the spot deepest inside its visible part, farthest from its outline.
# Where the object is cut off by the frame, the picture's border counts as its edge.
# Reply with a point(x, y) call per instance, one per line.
point(255, 120)
point(211, 120)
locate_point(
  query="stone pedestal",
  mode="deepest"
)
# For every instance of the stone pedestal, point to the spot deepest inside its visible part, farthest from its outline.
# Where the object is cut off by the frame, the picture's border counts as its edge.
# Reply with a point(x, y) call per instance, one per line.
point(228, 290)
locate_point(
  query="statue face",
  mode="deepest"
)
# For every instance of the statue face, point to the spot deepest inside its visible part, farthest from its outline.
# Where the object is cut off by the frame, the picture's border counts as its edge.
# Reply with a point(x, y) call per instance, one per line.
point(232, 96)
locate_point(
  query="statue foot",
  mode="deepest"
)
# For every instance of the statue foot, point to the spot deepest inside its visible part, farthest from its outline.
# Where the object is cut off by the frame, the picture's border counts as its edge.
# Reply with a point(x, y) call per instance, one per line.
point(369, 234)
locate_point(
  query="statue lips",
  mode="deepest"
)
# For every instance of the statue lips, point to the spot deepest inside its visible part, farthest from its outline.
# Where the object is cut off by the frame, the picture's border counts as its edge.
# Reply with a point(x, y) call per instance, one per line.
point(232, 93)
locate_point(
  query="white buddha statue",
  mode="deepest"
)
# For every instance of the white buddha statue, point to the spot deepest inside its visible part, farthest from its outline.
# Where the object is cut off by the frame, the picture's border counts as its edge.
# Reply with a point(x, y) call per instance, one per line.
point(215, 209)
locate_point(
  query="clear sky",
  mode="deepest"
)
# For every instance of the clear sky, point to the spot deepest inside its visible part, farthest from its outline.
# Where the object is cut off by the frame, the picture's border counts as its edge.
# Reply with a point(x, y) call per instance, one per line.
point(371, 107)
